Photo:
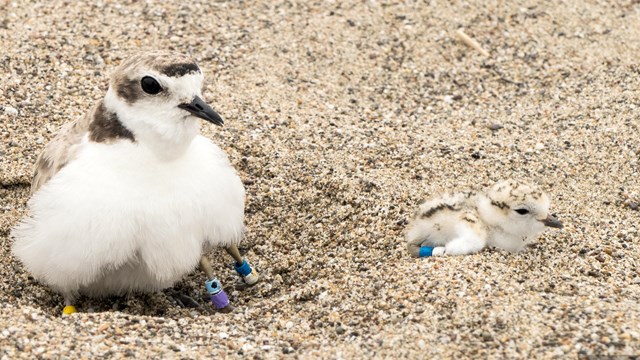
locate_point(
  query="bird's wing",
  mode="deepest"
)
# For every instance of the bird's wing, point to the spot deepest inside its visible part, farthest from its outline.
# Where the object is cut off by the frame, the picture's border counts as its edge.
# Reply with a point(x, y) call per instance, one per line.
point(59, 151)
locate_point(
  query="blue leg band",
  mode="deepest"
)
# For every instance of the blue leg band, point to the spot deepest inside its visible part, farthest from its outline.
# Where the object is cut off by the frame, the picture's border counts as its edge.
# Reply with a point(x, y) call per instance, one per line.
point(426, 251)
point(244, 269)
point(213, 286)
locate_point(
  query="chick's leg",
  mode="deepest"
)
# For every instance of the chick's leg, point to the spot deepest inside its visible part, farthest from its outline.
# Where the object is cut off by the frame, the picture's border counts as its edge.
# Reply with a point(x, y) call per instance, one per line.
point(417, 237)
point(248, 274)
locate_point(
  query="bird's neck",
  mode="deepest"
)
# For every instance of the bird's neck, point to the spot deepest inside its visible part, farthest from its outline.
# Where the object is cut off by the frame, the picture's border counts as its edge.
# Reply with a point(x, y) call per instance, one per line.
point(169, 145)
point(498, 236)
point(489, 215)
point(485, 210)
point(166, 139)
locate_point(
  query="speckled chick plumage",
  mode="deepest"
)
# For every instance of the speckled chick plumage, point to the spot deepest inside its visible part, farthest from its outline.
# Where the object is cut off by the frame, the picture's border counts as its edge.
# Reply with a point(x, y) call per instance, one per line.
point(128, 197)
point(510, 216)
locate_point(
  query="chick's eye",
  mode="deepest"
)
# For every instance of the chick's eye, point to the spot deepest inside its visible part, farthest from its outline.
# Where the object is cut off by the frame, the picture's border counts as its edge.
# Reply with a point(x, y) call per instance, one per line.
point(522, 211)
point(150, 85)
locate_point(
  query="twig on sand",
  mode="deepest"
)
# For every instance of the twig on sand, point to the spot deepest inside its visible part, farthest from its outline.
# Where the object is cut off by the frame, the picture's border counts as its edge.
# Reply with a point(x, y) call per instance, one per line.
point(470, 42)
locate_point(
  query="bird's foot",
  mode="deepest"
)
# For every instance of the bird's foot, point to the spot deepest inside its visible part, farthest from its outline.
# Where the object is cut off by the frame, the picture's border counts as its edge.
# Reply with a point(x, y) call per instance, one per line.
point(188, 302)
point(183, 300)
point(218, 296)
point(249, 276)
point(438, 251)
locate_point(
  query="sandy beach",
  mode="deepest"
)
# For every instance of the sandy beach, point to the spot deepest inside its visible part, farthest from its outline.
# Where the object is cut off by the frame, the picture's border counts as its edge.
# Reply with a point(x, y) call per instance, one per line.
point(339, 118)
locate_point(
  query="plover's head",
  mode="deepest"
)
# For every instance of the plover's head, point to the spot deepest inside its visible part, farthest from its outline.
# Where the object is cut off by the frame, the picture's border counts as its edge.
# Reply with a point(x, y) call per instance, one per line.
point(158, 95)
point(520, 209)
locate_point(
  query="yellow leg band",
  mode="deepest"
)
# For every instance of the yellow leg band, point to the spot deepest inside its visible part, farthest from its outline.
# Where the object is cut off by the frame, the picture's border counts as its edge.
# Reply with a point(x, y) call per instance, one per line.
point(69, 309)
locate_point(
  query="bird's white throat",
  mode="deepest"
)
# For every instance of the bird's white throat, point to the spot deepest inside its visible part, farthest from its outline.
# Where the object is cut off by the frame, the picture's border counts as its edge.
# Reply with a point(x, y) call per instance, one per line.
point(167, 134)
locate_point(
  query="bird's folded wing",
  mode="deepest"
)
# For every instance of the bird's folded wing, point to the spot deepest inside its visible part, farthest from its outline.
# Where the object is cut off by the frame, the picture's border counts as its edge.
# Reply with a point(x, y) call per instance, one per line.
point(59, 151)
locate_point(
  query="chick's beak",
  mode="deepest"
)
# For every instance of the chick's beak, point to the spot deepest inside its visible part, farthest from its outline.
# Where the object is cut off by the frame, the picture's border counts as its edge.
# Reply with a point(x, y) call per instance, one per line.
point(199, 108)
point(552, 221)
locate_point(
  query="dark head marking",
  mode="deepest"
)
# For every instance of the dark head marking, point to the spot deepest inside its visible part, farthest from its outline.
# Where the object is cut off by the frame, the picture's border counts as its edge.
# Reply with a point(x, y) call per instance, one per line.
point(500, 204)
point(128, 89)
point(126, 78)
point(179, 69)
point(105, 127)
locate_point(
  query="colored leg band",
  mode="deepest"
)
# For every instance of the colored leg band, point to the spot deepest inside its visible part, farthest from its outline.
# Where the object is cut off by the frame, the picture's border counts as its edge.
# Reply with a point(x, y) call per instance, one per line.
point(213, 286)
point(220, 300)
point(426, 251)
point(244, 269)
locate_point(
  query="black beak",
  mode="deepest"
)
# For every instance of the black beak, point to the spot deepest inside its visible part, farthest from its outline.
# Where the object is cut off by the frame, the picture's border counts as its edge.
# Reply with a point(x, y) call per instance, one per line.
point(200, 109)
point(552, 221)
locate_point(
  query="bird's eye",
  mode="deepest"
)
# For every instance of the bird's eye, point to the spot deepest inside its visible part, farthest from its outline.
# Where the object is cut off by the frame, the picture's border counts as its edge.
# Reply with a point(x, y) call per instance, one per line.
point(522, 211)
point(150, 85)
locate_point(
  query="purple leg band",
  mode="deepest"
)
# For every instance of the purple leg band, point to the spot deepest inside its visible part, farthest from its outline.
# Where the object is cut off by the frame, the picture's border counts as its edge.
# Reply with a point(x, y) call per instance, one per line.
point(220, 300)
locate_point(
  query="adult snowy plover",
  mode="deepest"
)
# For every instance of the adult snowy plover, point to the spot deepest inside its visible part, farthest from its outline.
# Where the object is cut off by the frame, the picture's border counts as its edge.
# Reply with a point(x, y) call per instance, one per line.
point(510, 216)
point(130, 197)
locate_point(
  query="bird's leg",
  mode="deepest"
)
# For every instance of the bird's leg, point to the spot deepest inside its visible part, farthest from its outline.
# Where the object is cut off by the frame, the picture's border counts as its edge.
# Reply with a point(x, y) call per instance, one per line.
point(68, 307)
point(249, 275)
point(235, 253)
point(217, 295)
point(414, 250)
point(426, 251)
point(417, 236)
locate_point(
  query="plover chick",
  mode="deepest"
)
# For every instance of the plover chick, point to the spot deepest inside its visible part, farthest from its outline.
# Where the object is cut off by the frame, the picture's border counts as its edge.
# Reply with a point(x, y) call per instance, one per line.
point(510, 216)
point(130, 197)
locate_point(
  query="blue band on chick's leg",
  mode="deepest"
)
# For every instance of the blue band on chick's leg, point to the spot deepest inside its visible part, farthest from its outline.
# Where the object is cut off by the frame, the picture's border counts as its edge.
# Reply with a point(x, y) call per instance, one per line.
point(426, 251)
